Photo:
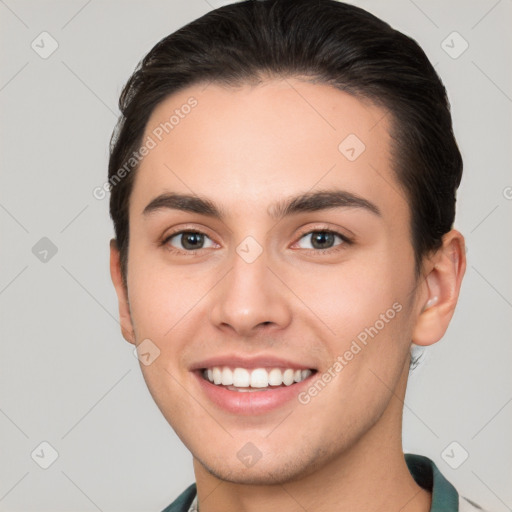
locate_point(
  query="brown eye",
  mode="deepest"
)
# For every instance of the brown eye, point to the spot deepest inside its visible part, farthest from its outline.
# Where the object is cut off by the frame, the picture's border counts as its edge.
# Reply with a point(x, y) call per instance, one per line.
point(321, 240)
point(189, 240)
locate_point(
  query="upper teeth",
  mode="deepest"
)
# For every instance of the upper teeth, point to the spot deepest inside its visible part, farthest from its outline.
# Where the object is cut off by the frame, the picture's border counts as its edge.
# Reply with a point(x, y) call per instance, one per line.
point(257, 378)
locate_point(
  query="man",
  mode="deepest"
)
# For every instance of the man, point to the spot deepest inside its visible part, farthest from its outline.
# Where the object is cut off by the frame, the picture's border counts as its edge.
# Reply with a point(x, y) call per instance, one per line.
point(283, 182)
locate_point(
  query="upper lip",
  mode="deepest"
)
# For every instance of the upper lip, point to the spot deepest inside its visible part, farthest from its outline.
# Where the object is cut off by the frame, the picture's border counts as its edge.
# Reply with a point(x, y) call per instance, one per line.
point(238, 361)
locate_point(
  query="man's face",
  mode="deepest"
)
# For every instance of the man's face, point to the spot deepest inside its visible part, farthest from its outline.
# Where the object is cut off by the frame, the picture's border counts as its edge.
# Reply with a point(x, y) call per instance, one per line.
point(255, 290)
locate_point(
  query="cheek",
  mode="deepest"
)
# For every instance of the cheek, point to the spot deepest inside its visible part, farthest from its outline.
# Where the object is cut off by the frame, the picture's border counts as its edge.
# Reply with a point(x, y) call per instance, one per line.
point(364, 309)
point(160, 295)
point(352, 296)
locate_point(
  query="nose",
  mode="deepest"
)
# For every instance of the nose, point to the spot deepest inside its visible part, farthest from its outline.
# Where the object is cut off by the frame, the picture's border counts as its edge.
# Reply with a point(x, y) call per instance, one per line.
point(250, 298)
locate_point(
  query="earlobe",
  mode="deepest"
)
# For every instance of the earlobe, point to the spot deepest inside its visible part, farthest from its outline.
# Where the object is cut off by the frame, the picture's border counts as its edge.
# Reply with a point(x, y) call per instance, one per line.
point(125, 319)
point(442, 283)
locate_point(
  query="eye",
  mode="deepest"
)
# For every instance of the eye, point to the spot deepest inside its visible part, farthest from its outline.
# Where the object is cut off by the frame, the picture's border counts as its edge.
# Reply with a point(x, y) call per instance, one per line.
point(189, 240)
point(321, 240)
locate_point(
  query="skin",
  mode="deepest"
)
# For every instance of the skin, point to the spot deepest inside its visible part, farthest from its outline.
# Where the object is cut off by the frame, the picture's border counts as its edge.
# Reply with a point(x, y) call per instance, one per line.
point(245, 149)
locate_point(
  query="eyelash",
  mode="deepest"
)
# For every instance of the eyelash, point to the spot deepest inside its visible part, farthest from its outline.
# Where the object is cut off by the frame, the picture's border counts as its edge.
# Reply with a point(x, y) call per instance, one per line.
point(341, 246)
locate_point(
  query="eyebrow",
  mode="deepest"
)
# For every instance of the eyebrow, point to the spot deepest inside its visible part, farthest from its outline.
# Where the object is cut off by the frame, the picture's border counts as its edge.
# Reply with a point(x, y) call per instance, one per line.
point(307, 202)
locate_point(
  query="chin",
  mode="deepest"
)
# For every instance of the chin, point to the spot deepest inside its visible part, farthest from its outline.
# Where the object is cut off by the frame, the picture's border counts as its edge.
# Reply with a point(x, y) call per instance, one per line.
point(252, 476)
point(269, 472)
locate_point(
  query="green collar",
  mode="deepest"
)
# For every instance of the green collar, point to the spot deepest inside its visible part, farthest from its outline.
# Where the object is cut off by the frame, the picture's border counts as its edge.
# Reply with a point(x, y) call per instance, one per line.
point(444, 496)
point(183, 501)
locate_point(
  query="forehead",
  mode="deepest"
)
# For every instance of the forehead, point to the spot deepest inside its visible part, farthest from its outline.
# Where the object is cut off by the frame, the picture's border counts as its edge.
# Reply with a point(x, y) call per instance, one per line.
point(252, 144)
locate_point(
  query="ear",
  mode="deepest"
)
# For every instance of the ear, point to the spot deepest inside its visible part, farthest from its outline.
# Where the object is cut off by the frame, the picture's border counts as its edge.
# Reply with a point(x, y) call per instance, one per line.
point(122, 293)
point(445, 272)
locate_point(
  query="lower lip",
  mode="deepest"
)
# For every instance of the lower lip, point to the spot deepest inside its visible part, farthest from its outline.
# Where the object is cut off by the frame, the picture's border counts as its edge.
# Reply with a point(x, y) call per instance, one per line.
point(251, 402)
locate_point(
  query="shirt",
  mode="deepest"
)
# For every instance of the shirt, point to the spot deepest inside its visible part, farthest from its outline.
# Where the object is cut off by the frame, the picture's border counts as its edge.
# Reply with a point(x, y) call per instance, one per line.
point(426, 474)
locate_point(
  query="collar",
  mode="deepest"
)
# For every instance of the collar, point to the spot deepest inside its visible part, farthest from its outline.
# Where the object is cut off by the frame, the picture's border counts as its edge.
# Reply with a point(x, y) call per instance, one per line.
point(426, 474)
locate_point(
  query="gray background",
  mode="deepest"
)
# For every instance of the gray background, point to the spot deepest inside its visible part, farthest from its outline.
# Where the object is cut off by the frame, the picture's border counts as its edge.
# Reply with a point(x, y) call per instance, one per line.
point(66, 375)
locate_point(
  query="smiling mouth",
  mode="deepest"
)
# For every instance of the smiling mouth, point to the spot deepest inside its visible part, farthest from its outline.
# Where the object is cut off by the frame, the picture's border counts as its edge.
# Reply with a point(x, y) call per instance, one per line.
point(257, 379)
